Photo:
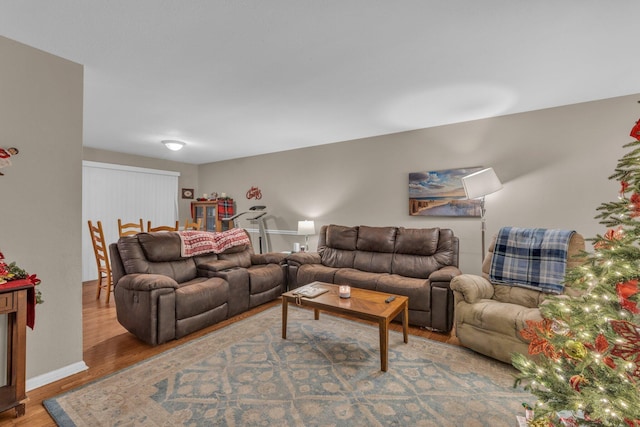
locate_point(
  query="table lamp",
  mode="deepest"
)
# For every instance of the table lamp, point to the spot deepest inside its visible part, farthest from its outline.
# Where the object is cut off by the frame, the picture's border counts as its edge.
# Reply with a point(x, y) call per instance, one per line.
point(306, 228)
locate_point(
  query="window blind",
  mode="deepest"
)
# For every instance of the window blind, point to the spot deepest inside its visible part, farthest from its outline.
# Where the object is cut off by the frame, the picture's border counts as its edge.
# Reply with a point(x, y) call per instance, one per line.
point(111, 191)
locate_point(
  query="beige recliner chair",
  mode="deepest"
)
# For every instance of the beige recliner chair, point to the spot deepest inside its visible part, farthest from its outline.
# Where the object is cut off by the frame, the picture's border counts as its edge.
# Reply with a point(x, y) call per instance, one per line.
point(489, 317)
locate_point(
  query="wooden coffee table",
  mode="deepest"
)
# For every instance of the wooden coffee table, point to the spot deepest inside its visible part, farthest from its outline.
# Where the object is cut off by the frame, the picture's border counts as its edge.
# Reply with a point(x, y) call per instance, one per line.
point(363, 304)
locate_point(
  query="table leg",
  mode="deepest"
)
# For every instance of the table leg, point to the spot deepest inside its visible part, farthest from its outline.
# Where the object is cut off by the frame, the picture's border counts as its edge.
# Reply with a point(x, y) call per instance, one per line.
point(316, 313)
point(384, 344)
point(405, 322)
point(285, 306)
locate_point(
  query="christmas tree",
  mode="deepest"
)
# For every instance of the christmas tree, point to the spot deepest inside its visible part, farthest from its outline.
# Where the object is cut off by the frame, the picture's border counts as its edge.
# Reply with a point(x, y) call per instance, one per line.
point(587, 368)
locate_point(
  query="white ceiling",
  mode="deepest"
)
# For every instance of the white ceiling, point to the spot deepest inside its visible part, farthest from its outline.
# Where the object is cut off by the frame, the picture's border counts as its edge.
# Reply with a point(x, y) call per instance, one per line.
point(246, 77)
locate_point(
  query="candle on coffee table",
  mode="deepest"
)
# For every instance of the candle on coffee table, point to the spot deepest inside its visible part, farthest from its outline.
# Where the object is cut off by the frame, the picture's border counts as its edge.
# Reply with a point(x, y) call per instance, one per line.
point(345, 291)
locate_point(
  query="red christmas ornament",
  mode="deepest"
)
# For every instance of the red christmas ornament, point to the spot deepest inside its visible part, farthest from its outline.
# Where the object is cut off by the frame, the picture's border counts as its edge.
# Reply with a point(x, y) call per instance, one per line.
point(635, 131)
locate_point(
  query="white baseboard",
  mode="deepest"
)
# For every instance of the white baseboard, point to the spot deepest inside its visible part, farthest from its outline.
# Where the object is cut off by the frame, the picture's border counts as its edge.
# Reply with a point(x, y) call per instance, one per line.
point(56, 375)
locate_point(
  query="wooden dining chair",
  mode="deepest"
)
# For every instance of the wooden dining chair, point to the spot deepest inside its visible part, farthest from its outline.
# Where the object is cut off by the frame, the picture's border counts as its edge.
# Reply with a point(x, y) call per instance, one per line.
point(151, 229)
point(101, 251)
point(188, 225)
point(130, 228)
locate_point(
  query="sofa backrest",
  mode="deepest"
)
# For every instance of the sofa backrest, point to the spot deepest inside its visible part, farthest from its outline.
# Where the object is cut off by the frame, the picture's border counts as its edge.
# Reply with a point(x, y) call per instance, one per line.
point(156, 253)
point(409, 252)
point(160, 253)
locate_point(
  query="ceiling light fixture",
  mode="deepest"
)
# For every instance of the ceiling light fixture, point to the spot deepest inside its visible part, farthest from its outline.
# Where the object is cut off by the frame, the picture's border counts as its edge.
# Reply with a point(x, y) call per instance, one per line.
point(173, 145)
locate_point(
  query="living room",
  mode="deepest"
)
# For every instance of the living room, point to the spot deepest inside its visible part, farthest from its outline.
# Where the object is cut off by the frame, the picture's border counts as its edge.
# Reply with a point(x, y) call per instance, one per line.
point(553, 163)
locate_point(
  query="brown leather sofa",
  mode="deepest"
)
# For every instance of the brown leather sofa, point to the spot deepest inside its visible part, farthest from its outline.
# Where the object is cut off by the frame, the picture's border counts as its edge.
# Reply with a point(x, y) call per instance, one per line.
point(162, 296)
point(418, 263)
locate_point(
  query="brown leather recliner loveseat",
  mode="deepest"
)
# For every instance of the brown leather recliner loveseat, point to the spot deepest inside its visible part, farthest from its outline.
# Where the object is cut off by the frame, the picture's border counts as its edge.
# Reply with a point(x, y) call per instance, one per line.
point(418, 263)
point(161, 295)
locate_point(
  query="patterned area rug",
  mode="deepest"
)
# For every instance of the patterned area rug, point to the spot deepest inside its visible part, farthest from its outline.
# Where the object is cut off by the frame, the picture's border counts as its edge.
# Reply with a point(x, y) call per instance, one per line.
point(326, 373)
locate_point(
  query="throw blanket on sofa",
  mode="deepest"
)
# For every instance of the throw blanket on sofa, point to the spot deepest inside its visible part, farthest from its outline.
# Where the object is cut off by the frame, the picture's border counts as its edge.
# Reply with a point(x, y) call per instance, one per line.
point(202, 242)
point(533, 258)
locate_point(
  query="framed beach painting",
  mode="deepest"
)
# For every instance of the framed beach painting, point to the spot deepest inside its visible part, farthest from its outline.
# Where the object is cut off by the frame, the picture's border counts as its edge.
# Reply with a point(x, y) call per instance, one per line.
point(440, 193)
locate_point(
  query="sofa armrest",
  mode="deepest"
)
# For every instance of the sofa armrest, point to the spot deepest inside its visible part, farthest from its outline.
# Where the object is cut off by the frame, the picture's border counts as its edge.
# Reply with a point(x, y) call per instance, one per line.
point(445, 274)
point(300, 258)
point(146, 282)
point(215, 266)
point(269, 258)
point(473, 288)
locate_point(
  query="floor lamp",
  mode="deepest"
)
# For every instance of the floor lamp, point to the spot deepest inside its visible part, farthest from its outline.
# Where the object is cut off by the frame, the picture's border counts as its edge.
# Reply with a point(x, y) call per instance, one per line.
point(476, 186)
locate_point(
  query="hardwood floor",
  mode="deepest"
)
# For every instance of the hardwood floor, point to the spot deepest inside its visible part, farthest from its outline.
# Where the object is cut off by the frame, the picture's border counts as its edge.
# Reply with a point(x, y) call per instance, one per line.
point(108, 347)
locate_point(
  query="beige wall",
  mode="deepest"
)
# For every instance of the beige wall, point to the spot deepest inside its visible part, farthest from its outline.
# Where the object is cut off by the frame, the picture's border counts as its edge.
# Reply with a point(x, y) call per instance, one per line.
point(40, 206)
point(554, 164)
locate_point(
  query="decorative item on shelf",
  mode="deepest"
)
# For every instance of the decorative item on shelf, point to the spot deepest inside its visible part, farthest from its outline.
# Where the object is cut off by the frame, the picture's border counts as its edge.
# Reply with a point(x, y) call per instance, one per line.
point(296, 247)
point(5, 153)
point(345, 291)
point(12, 276)
point(477, 186)
point(213, 196)
point(306, 228)
point(254, 193)
point(225, 208)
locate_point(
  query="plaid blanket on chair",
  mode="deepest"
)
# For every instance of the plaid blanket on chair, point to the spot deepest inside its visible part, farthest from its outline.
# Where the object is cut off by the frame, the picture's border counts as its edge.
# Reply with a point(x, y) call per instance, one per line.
point(533, 258)
point(201, 242)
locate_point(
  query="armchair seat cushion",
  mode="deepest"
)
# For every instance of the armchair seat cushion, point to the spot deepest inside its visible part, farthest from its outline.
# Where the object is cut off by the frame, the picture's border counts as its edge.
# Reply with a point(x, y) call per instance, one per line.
point(502, 318)
point(520, 296)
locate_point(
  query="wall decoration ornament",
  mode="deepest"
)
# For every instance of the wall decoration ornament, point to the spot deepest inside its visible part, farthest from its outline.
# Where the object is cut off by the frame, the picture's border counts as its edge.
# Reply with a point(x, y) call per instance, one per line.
point(254, 193)
point(440, 193)
point(187, 193)
point(5, 154)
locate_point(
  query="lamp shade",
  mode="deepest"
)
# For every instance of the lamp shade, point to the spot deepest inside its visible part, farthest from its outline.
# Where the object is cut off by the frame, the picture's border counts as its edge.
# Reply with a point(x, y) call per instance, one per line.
point(306, 228)
point(481, 183)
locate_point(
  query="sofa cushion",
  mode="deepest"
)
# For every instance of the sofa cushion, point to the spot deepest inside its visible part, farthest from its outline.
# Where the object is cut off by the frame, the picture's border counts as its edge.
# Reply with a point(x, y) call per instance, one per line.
point(357, 278)
point(418, 290)
point(161, 246)
point(338, 258)
point(376, 239)
point(264, 277)
point(308, 273)
point(341, 237)
point(374, 262)
point(414, 241)
point(200, 295)
point(420, 252)
point(522, 296)
point(239, 259)
point(414, 265)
